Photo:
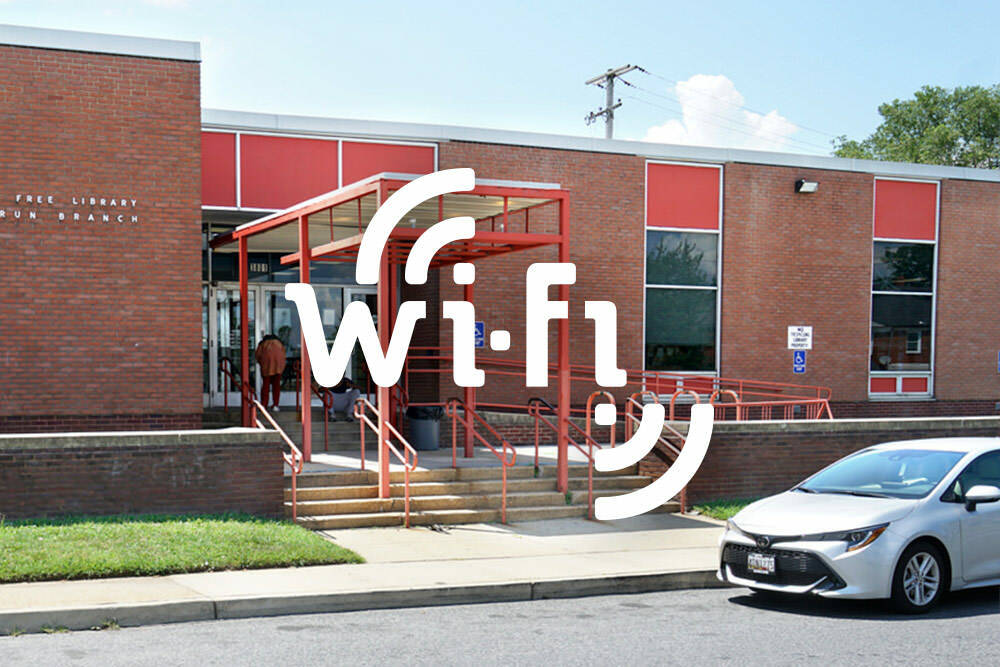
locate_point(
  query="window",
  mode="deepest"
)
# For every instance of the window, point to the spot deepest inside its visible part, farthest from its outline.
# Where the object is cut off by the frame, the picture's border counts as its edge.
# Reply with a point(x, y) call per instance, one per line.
point(681, 295)
point(900, 324)
point(983, 471)
point(683, 224)
point(903, 301)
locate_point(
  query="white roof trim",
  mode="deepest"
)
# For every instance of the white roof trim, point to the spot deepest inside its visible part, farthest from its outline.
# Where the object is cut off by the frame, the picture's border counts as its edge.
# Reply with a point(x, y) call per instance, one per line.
point(347, 127)
point(92, 42)
point(397, 176)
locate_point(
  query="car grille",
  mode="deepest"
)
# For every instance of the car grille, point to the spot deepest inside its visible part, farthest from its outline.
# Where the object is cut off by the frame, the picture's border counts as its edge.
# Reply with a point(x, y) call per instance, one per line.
point(792, 568)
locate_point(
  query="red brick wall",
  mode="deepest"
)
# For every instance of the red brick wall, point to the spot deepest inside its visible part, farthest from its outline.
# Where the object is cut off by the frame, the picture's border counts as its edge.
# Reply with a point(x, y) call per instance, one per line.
point(606, 223)
point(797, 259)
point(968, 321)
point(174, 478)
point(99, 319)
point(744, 462)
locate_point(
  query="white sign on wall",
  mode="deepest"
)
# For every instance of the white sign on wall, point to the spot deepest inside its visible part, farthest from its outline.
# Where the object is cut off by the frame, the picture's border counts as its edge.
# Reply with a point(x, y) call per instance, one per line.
point(800, 338)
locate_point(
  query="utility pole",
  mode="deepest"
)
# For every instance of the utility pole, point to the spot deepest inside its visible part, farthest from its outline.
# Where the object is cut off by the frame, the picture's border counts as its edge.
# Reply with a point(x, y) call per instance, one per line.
point(607, 82)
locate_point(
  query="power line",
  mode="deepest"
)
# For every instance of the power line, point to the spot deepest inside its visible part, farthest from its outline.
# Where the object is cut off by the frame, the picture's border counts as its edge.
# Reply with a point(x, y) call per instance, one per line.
point(755, 134)
point(730, 102)
point(727, 119)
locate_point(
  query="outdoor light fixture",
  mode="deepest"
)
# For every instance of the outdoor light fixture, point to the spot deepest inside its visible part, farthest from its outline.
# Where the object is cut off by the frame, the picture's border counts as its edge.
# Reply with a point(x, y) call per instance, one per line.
point(804, 186)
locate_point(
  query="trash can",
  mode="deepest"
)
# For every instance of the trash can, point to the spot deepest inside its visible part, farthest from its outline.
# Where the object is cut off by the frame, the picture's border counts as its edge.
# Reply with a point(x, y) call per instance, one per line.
point(425, 426)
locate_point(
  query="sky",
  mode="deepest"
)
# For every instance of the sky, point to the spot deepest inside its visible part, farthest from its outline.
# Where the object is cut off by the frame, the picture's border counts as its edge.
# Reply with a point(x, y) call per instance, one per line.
point(774, 75)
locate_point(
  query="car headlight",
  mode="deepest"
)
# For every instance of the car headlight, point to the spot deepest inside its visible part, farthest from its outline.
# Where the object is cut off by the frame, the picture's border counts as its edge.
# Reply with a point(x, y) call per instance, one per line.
point(731, 526)
point(855, 539)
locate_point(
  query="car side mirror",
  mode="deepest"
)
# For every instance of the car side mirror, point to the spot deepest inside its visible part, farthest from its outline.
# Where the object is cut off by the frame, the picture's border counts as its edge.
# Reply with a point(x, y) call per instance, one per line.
point(981, 493)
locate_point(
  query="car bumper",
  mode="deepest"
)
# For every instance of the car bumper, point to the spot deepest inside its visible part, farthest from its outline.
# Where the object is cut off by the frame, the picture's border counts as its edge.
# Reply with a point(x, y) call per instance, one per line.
point(817, 568)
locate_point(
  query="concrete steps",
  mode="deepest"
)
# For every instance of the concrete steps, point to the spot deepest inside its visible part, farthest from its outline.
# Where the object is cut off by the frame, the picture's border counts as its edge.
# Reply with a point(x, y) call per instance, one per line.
point(349, 499)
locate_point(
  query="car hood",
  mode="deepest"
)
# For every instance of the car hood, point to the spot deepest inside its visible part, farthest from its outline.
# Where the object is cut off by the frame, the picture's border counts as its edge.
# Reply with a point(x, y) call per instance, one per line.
point(797, 513)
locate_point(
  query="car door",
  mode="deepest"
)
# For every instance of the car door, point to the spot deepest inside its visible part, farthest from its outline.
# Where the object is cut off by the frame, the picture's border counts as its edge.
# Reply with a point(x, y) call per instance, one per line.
point(981, 528)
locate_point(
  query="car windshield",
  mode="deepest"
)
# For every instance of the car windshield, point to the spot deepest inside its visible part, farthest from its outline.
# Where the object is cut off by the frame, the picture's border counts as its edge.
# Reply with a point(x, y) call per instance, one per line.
point(885, 473)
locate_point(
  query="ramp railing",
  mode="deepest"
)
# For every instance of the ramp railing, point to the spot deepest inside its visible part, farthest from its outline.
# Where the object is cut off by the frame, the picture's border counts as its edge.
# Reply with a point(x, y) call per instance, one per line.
point(408, 457)
point(293, 457)
point(468, 417)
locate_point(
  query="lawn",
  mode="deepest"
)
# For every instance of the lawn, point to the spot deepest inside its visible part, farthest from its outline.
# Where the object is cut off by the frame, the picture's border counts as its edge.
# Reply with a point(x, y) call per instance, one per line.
point(97, 547)
point(723, 509)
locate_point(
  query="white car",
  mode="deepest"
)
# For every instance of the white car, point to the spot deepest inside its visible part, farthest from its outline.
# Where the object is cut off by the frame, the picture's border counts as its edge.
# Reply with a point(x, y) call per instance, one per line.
point(906, 520)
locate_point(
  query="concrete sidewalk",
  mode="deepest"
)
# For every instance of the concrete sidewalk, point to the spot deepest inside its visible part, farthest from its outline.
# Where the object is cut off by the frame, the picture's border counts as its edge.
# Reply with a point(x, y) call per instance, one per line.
point(416, 567)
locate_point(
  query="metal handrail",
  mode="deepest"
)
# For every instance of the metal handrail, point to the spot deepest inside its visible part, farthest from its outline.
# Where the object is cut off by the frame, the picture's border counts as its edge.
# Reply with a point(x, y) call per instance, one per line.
point(226, 368)
point(590, 413)
point(325, 396)
point(361, 405)
point(631, 420)
point(293, 457)
point(535, 408)
point(451, 409)
point(438, 360)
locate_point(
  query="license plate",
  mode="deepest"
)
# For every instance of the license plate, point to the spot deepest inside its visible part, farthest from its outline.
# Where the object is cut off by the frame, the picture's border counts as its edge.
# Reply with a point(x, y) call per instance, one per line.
point(760, 563)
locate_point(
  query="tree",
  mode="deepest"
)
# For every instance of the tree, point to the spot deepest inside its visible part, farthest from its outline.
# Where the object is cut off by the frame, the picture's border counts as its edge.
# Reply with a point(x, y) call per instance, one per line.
point(959, 127)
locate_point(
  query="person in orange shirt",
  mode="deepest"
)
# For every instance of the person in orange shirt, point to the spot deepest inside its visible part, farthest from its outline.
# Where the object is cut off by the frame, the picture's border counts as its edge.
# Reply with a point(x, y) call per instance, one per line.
point(270, 354)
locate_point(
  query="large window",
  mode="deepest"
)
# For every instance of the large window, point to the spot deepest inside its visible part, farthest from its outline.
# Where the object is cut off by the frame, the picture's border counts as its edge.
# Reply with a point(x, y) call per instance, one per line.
point(681, 295)
point(902, 323)
point(683, 225)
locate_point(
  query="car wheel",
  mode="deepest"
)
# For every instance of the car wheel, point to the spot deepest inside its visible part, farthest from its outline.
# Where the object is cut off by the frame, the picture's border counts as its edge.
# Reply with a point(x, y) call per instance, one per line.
point(918, 583)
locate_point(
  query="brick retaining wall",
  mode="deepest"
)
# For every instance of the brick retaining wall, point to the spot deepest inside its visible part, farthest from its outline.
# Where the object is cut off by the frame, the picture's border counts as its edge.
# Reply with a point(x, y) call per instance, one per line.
point(175, 472)
point(751, 459)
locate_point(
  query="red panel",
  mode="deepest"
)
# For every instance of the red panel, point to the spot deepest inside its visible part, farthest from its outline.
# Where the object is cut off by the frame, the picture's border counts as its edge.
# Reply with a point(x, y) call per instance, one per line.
point(882, 385)
point(905, 210)
point(682, 196)
point(218, 169)
point(917, 385)
point(276, 172)
point(362, 160)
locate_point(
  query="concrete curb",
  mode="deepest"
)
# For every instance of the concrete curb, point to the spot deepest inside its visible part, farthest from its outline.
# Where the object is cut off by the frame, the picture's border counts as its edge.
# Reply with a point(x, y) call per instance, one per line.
point(150, 613)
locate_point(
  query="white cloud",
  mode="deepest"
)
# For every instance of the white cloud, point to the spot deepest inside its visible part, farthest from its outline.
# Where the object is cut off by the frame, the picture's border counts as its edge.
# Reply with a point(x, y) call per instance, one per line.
point(712, 114)
point(169, 4)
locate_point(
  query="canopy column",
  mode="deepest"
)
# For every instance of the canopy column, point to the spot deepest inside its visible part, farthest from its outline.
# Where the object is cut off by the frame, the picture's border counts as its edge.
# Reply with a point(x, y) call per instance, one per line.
point(562, 464)
point(244, 387)
point(305, 370)
point(383, 318)
point(469, 396)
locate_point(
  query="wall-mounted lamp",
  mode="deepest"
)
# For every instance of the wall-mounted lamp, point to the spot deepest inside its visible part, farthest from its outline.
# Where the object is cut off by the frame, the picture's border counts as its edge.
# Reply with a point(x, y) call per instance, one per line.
point(804, 186)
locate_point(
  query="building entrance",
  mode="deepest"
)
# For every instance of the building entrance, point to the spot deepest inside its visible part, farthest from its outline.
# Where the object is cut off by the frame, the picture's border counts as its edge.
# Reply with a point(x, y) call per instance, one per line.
point(269, 313)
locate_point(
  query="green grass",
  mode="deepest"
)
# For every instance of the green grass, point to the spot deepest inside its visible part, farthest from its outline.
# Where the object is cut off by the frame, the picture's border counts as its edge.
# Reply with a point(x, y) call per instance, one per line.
point(723, 509)
point(144, 545)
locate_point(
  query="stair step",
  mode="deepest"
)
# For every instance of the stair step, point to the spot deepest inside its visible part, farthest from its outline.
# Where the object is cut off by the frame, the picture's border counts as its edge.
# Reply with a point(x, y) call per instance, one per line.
point(443, 502)
point(453, 516)
point(577, 473)
point(465, 487)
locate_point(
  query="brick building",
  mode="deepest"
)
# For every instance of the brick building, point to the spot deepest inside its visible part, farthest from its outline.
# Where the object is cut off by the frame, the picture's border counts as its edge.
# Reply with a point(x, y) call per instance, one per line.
point(114, 181)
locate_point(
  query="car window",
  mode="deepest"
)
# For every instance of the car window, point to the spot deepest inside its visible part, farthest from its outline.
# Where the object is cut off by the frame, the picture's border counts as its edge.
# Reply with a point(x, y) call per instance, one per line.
point(892, 473)
point(984, 470)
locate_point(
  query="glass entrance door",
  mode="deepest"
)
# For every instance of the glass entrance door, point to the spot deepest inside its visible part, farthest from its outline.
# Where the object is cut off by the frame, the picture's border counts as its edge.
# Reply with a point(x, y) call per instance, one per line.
point(280, 317)
point(224, 335)
point(270, 313)
point(358, 370)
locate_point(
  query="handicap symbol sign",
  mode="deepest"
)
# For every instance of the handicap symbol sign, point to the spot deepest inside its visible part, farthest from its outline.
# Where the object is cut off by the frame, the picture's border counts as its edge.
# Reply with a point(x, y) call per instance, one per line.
point(480, 334)
point(798, 361)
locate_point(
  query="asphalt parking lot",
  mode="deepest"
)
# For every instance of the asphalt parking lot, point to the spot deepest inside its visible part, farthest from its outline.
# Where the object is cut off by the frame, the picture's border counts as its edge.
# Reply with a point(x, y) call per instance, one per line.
point(690, 627)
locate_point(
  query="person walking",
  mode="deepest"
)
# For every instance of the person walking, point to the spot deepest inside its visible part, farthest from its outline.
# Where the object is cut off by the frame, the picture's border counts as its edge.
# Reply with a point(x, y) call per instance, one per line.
point(270, 355)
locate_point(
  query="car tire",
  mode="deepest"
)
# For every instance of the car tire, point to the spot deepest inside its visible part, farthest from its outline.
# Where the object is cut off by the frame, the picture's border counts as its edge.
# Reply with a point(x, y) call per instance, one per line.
point(919, 581)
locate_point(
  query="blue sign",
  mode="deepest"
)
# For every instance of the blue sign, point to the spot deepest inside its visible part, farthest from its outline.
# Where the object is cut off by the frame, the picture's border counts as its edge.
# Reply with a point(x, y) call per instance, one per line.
point(798, 361)
point(998, 362)
point(480, 334)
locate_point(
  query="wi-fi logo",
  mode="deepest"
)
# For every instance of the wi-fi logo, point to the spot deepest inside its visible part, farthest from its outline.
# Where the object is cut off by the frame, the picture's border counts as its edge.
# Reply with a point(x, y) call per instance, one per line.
point(357, 324)
point(427, 245)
